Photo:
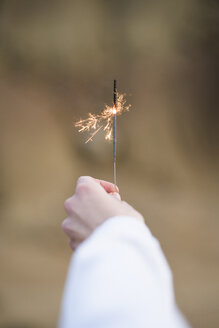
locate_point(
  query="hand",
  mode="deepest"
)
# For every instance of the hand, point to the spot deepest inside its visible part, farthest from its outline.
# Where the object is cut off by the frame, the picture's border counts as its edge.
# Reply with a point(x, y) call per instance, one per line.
point(94, 202)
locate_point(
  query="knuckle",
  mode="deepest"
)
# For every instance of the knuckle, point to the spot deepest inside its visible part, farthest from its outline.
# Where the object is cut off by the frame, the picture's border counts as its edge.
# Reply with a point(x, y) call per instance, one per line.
point(83, 179)
point(83, 188)
point(68, 227)
point(65, 225)
point(69, 204)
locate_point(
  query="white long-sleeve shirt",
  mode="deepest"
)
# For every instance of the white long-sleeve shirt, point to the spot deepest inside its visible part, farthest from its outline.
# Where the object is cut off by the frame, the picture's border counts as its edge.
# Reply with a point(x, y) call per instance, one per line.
point(119, 278)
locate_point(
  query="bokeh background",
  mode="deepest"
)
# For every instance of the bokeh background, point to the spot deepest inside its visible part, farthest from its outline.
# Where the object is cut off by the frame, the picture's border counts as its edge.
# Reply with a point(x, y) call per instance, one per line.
point(58, 60)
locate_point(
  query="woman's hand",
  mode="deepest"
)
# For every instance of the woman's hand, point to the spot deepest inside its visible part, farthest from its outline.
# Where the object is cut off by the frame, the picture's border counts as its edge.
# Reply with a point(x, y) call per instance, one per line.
point(94, 202)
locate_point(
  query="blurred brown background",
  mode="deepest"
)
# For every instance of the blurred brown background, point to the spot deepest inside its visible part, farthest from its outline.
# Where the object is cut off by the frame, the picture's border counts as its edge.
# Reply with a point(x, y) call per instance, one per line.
point(58, 60)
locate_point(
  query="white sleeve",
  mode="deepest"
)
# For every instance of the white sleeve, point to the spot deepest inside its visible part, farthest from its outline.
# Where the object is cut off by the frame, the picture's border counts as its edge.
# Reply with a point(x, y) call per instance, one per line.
point(119, 278)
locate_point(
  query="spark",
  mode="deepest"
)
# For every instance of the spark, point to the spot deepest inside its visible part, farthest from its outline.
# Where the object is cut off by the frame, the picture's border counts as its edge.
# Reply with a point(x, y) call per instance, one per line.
point(103, 121)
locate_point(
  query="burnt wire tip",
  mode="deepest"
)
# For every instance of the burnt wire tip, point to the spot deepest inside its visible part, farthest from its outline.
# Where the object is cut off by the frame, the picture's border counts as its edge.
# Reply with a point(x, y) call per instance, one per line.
point(114, 92)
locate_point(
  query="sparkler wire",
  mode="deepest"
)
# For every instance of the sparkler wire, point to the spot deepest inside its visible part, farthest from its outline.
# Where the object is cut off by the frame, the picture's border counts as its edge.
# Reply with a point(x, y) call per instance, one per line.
point(114, 129)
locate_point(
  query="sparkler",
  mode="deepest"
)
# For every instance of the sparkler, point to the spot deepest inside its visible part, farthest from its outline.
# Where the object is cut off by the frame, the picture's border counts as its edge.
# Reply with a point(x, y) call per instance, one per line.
point(105, 121)
point(114, 130)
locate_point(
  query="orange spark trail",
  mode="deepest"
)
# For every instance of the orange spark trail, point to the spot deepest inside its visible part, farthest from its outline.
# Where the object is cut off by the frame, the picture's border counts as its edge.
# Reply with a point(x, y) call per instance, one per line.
point(94, 123)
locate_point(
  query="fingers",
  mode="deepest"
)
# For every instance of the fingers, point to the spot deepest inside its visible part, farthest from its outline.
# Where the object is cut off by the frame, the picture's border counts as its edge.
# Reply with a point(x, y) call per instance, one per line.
point(67, 227)
point(74, 229)
point(107, 186)
point(69, 205)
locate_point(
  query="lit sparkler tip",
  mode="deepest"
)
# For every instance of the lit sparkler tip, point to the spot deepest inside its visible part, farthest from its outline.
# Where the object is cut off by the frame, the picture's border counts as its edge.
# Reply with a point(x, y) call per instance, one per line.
point(104, 121)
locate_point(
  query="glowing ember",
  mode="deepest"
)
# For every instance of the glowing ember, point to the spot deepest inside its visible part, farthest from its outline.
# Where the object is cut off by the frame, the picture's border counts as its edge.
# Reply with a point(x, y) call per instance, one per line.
point(104, 120)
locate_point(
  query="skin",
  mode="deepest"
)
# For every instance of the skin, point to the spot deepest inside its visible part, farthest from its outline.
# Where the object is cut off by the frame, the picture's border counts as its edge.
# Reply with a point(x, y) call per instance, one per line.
point(93, 202)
